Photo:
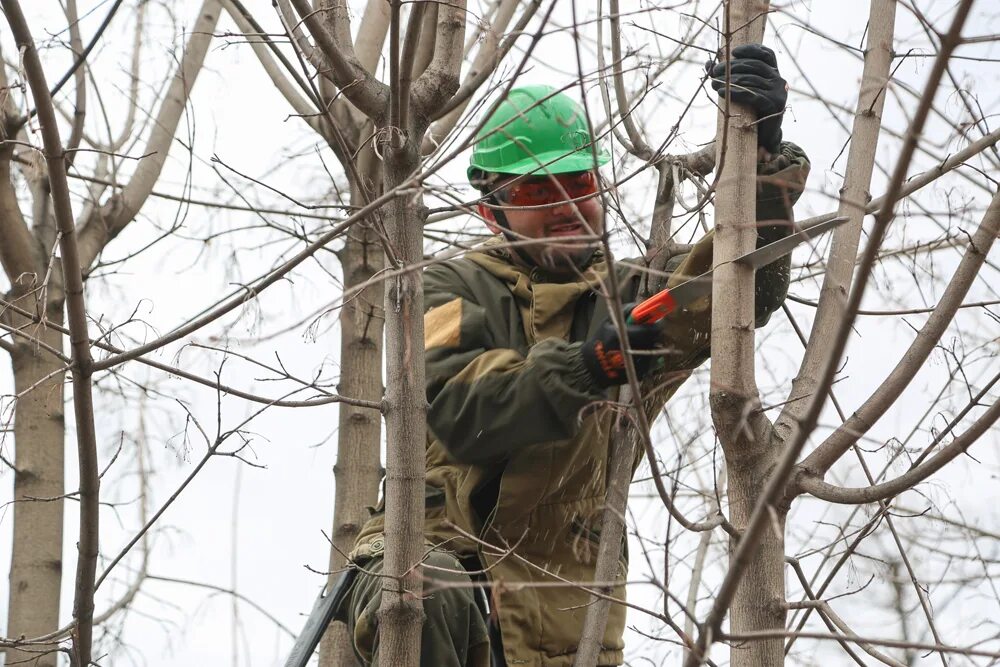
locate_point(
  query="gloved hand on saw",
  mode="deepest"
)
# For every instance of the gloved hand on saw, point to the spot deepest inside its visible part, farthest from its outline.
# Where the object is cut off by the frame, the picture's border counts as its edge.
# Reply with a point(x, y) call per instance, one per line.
point(603, 353)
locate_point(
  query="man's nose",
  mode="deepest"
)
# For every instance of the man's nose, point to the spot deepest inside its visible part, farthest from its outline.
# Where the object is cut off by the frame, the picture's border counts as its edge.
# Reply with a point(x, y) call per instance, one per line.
point(565, 208)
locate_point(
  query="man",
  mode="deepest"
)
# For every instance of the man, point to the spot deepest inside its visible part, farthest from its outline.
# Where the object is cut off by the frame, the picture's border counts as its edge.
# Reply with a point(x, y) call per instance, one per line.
point(523, 362)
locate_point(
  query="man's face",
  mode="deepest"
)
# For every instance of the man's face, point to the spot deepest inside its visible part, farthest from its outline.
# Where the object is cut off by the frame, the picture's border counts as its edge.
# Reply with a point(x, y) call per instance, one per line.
point(565, 211)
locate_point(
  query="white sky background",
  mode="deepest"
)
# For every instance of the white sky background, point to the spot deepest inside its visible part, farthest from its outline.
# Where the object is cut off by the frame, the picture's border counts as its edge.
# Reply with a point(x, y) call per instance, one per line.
point(258, 529)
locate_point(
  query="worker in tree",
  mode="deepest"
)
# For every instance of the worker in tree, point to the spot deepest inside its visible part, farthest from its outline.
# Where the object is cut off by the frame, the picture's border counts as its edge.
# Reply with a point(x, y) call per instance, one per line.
point(523, 364)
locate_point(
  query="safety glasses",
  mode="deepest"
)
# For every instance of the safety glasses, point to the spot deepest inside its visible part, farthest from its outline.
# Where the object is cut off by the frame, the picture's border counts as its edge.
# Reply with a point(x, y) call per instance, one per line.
point(548, 190)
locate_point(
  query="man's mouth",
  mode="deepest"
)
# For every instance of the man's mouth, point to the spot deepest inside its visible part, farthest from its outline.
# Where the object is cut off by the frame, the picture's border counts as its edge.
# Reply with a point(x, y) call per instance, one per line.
point(568, 228)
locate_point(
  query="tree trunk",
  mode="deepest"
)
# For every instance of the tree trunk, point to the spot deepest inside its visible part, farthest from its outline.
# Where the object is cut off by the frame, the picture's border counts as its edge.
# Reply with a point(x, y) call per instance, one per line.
point(39, 434)
point(405, 409)
point(759, 602)
point(746, 435)
point(358, 469)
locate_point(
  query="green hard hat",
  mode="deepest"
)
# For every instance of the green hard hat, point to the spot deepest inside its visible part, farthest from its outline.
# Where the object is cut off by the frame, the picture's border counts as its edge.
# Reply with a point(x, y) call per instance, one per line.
point(535, 130)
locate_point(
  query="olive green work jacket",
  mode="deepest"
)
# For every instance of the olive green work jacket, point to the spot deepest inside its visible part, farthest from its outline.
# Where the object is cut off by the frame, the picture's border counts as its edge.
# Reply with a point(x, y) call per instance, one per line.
point(519, 433)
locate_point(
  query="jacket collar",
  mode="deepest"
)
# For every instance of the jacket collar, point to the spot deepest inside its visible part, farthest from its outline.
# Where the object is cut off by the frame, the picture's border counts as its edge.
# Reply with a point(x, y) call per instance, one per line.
point(547, 304)
point(495, 256)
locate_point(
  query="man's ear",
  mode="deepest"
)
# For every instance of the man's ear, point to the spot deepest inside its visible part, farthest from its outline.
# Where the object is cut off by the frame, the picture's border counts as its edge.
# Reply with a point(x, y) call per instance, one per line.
point(487, 215)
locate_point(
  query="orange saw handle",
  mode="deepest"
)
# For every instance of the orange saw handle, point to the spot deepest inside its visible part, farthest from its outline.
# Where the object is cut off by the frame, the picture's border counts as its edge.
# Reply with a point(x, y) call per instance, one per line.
point(654, 309)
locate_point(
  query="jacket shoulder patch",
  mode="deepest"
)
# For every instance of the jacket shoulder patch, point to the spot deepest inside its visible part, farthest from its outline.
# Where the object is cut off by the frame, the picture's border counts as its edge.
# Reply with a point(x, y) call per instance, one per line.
point(443, 325)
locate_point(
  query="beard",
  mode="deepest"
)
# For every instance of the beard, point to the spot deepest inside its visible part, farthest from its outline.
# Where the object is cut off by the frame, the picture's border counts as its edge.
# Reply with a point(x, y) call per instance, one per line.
point(565, 259)
point(560, 252)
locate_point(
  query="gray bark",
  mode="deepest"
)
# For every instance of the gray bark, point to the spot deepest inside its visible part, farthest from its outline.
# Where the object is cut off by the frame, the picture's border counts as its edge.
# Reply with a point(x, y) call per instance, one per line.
point(854, 197)
point(39, 427)
point(358, 469)
point(36, 564)
point(401, 614)
point(405, 405)
point(745, 433)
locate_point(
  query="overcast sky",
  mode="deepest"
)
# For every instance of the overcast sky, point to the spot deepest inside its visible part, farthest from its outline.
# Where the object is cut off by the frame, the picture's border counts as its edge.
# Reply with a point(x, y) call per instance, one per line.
point(260, 529)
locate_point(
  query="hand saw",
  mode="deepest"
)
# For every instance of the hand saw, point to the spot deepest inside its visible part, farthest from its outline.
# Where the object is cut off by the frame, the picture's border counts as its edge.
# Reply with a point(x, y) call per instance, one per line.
point(661, 304)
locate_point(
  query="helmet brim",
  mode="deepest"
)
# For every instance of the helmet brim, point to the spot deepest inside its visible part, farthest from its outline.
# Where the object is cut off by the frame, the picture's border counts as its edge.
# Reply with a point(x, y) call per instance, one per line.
point(551, 163)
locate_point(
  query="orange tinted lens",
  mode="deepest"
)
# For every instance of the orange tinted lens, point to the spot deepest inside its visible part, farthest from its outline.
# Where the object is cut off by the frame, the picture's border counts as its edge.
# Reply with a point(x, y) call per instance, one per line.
point(541, 192)
point(530, 193)
point(580, 185)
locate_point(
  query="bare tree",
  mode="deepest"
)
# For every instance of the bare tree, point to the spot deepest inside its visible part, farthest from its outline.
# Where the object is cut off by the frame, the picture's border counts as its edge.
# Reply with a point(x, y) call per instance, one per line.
point(349, 133)
point(775, 529)
point(42, 288)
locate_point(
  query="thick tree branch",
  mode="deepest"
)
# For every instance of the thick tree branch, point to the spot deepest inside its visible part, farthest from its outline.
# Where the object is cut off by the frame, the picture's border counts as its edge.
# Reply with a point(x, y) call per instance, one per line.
point(744, 431)
point(20, 255)
point(395, 99)
point(638, 147)
point(371, 34)
point(485, 62)
point(869, 494)
point(80, 96)
point(837, 443)
point(441, 78)
point(357, 84)
point(734, 386)
point(853, 197)
point(368, 50)
point(263, 47)
point(336, 16)
point(425, 48)
point(83, 407)
point(122, 208)
point(297, 35)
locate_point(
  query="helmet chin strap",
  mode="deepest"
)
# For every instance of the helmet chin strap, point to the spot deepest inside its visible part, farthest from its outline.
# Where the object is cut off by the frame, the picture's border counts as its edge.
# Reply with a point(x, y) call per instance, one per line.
point(504, 224)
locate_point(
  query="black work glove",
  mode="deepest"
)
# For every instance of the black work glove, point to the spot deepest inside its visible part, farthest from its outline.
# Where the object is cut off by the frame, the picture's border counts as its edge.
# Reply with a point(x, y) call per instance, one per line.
point(602, 353)
point(756, 83)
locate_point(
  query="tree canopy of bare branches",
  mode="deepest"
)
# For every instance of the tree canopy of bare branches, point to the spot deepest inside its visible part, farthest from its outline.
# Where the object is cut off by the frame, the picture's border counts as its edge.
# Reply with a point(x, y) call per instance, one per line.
point(213, 220)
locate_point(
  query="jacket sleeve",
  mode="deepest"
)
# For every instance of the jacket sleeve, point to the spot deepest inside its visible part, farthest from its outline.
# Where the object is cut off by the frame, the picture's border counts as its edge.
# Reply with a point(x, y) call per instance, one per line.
point(486, 400)
point(780, 182)
point(687, 331)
